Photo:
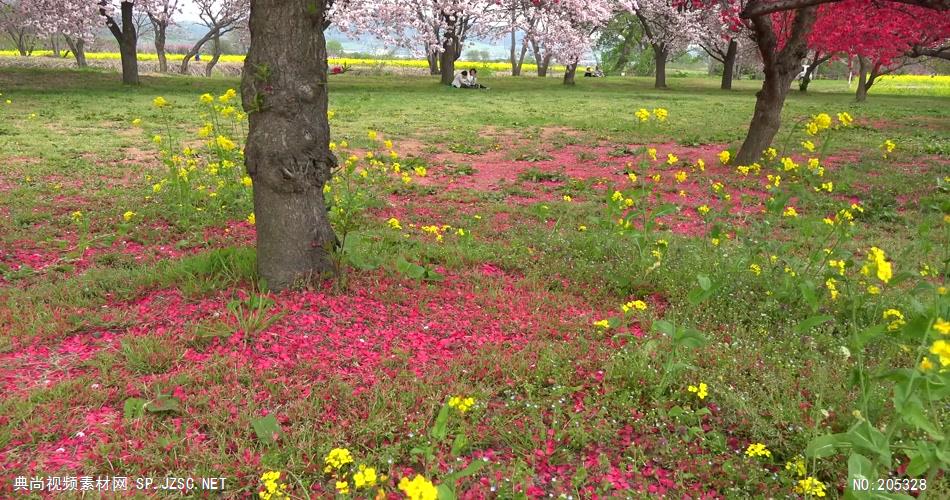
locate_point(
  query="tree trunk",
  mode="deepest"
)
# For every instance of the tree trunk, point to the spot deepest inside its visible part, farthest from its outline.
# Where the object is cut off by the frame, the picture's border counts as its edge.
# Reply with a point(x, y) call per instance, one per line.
point(862, 93)
point(128, 47)
point(160, 29)
point(284, 91)
point(810, 70)
point(196, 48)
point(780, 69)
point(78, 48)
point(569, 71)
point(729, 65)
point(433, 62)
point(447, 59)
point(216, 43)
point(515, 67)
point(660, 53)
point(54, 45)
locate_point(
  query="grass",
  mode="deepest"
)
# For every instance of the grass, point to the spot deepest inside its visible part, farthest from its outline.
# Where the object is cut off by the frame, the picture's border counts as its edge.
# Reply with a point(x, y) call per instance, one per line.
point(152, 338)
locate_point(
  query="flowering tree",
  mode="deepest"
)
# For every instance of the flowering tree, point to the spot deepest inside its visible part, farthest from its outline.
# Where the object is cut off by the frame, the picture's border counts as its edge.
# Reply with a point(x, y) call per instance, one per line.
point(669, 26)
point(76, 22)
point(440, 26)
point(879, 36)
point(125, 34)
point(220, 17)
point(15, 23)
point(287, 154)
point(722, 39)
point(161, 14)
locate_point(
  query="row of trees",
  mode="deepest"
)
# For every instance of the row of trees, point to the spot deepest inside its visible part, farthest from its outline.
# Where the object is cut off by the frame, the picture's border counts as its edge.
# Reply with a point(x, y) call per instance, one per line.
point(80, 21)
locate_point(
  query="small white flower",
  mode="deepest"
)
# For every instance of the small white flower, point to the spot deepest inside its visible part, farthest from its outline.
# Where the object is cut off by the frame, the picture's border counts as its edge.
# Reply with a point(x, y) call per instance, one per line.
point(80, 434)
point(845, 352)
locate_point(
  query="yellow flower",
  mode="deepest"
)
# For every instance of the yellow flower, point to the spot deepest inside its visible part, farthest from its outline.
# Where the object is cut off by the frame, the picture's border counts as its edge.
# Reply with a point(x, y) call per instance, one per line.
point(896, 319)
point(246, 181)
point(758, 450)
point(405, 178)
point(845, 118)
point(680, 176)
point(701, 164)
point(671, 159)
point(809, 146)
point(602, 324)
point(942, 326)
point(365, 477)
point(420, 171)
point(206, 98)
point(156, 188)
point(582, 228)
point(159, 102)
point(652, 153)
point(942, 349)
point(76, 216)
point(228, 96)
point(567, 198)
point(888, 147)
point(419, 488)
point(660, 114)
point(790, 212)
point(330, 114)
point(926, 365)
point(755, 269)
point(789, 165)
point(206, 131)
point(342, 487)
point(638, 305)
point(128, 215)
point(251, 219)
point(461, 404)
point(656, 177)
point(642, 115)
point(337, 458)
point(371, 134)
point(157, 139)
point(822, 120)
point(811, 128)
point(272, 490)
point(874, 290)
point(394, 223)
point(715, 242)
point(137, 122)
point(701, 391)
point(703, 209)
point(837, 264)
point(883, 268)
point(797, 465)
point(831, 285)
point(810, 487)
point(724, 157)
point(770, 154)
point(224, 143)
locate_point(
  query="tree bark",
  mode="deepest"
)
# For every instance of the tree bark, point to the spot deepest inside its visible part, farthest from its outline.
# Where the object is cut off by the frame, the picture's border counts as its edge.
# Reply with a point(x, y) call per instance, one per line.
point(127, 38)
point(54, 44)
point(216, 43)
point(780, 67)
point(660, 53)
point(729, 65)
point(816, 61)
point(284, 91)
point(160, 28)
point(78, 49)
point(861, 94)
point(447, 61)
point(569, 71)
point(433, 62)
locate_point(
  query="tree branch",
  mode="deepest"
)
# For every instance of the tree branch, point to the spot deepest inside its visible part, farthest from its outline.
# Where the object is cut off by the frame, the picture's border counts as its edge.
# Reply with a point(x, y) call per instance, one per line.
point(760, 7)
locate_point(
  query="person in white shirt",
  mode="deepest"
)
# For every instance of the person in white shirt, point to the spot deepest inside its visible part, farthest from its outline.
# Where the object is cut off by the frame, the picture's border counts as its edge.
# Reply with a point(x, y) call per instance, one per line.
point(473, 80)
point(461, 81)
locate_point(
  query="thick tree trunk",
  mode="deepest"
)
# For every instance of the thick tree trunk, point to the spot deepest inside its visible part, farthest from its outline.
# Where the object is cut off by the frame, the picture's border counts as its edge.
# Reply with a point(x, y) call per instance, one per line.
point(810, 70)
point(515, 67)
point(729, 65)
point(79, 51)
point(433, 63)
point(781, 67)
point(216, 43)
point(284, 91)
point(128, 47)
point(569, 71)
point(447, 60)
point(54, 45)
point(660, 53)
point(861, 94)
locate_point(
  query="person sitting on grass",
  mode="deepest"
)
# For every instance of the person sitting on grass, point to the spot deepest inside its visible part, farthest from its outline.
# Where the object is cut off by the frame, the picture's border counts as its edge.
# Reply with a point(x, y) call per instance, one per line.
point(473, 80)
point(588, 73)
point(461, 81)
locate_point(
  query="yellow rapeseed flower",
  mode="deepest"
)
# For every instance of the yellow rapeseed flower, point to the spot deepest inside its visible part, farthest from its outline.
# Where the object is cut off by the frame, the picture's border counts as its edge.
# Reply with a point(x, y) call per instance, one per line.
point(419, 488)
point(642, 115)
point(159, 102)
point(701, 390)
point(810, 486)
point(128, 216)
point(758, 450)
point(251, 219)
point(602, 324)
point(461, 404)
point(724, 157)
point(942, 326)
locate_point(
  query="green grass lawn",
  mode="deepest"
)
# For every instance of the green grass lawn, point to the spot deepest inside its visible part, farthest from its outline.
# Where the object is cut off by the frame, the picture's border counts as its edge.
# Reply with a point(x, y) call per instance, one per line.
point(618, 337)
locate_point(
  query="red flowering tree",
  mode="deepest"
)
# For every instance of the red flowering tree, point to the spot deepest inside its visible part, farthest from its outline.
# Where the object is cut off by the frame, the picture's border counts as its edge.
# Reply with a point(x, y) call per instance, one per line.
point(879, 36)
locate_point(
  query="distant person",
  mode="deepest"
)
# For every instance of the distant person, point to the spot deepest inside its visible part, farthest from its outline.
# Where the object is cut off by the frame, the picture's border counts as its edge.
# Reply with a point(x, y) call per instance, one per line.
point(197, 57)
point(473, 80)
point(588, 73)
point(599, 73)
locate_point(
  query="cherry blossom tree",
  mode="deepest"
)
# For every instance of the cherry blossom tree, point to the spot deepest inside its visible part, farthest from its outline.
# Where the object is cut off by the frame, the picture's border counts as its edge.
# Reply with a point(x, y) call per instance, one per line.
point(77, 22)
point(15, 21)
point(125, 33)
point(220, 17)
point(669, 26)
point(161, 13)
point(722, 39)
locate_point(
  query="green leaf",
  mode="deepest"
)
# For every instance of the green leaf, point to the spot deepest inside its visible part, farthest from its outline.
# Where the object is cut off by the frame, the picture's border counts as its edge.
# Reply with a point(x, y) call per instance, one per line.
point(440, 428)
point(266, 428)
point(446, 492)
point(471, 469)
point(808, 293)
point(860, 467)
point(133, 408)
point(663, 326)
point(459, 444)
point(808, 323)
point(409, 269)
point(864, 337)
point(675, 412)
point(866, 437)
point(913, 413)
point(689, 337)
point(704, 282)
point(825, 445)
point(163, 404)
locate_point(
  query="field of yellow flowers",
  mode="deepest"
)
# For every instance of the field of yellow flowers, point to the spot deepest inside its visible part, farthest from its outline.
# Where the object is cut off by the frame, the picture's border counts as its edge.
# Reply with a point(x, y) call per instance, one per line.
point(544, 292)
